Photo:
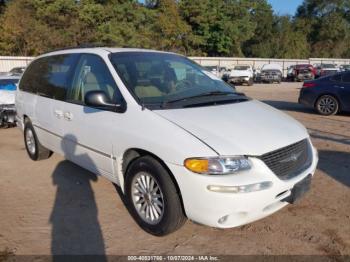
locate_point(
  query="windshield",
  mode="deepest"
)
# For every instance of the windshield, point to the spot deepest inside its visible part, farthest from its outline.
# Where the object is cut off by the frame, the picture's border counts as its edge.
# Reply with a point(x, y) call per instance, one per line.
point(158, 78)
point(241, 68)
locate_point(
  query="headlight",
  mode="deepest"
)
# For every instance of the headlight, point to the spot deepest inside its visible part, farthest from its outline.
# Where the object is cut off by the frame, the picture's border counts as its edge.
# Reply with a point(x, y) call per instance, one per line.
point(217, 165)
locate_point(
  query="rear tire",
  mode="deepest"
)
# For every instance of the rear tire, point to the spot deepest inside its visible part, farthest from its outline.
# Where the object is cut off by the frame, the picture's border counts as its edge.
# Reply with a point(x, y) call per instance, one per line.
point(327, 105)
point(152, 197)
point(34, 149)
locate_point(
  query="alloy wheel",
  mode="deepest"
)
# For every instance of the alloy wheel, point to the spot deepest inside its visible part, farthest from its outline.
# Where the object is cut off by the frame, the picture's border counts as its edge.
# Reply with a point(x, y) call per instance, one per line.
point(327, 105)
point(147, 198)
point(30, 141)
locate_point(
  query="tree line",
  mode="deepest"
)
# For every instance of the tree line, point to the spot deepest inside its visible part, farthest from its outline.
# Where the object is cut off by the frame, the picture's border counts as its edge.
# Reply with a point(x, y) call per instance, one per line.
point(239, 28)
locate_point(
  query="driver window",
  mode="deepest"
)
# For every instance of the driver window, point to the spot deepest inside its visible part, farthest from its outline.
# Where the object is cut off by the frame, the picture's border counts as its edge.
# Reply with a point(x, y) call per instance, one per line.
point(92, 74)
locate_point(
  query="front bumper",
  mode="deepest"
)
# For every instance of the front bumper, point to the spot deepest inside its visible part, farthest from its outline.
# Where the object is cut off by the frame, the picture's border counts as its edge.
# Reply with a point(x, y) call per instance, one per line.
point(239, 80)
point(209, 208)
point(270, 78)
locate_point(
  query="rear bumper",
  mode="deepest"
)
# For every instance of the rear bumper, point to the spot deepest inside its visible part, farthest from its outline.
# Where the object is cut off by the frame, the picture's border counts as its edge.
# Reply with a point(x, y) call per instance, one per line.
point(307, 97)
point(209, 208)
point(302, 77)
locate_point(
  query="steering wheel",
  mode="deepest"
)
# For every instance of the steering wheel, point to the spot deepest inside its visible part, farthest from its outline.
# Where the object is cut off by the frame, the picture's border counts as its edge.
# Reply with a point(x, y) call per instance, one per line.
point(183, 84)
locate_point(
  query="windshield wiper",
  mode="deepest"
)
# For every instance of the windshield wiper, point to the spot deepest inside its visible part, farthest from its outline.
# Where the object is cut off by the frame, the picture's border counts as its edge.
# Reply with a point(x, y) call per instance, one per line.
point(213, 93)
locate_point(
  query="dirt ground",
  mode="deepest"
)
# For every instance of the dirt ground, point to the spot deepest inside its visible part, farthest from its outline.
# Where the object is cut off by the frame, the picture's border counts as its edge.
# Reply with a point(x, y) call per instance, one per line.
point(56, 207)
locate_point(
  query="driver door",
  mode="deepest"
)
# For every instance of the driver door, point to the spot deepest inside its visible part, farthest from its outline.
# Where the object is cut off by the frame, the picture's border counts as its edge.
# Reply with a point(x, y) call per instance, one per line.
point(90, 133)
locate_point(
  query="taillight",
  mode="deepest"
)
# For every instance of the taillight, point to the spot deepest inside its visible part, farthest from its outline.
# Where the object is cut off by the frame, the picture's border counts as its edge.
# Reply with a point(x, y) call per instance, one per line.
point(307, 85)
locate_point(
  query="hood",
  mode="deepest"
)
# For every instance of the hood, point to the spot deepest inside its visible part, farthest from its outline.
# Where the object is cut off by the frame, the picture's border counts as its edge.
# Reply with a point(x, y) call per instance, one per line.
point(246, 128)
point(236, 73)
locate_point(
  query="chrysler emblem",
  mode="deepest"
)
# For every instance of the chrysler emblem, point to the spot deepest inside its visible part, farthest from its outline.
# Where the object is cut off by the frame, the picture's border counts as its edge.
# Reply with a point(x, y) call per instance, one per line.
point(292, 158)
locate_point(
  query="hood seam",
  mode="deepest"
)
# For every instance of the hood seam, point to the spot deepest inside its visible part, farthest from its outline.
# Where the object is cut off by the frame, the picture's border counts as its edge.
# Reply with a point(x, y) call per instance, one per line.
point(189, 133)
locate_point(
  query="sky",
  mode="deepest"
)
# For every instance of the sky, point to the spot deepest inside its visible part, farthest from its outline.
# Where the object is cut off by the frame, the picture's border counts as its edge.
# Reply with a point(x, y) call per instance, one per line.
point(285, 7)
point(280, 7)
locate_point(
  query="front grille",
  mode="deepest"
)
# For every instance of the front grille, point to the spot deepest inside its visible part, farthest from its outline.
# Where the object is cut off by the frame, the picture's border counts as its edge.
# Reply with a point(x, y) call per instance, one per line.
point(289, 161)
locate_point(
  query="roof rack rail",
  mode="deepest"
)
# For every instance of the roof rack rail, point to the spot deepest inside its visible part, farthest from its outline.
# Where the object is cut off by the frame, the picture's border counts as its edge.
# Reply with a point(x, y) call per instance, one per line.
point(87, 45)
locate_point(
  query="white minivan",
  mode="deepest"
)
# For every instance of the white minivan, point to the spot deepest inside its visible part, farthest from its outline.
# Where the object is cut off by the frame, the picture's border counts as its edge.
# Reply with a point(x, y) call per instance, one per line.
point(179, 141)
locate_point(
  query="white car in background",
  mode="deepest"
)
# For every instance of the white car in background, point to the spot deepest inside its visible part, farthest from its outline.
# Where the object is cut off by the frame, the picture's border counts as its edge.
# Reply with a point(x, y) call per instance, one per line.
point(8, 86)
point(216, 70)
point(271, 73)
point(178, 141)
point(241, 74)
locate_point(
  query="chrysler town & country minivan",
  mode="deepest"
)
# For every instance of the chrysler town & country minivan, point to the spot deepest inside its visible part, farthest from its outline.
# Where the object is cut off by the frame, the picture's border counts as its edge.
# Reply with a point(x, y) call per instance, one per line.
point(179, 141)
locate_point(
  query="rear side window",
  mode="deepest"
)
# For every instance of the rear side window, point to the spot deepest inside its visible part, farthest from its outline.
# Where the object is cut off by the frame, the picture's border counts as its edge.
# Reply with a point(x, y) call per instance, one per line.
point(30, 77)
point(50, 76)
point(346, 77)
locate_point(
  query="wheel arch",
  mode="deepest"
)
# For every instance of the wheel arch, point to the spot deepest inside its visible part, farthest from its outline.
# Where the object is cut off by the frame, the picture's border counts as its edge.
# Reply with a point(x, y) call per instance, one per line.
point(25, 118)
point(131, 154)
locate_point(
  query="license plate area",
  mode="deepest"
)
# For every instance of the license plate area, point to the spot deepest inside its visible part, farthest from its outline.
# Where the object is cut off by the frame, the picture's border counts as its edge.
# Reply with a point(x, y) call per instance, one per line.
point(299, 190)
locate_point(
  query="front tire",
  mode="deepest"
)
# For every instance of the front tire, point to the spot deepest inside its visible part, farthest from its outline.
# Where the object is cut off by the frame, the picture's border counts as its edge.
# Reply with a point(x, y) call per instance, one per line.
point(152, 197)
point(327, 105)
point(34, 149)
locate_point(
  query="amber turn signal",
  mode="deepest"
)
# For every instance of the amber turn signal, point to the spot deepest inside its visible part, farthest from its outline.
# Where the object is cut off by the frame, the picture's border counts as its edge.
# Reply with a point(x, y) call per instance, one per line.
point(197, 165)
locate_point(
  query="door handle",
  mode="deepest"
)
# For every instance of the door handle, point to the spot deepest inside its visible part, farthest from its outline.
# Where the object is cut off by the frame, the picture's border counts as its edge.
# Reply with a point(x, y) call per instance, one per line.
point(339, 87)
point(58, 114)
point(68, 116)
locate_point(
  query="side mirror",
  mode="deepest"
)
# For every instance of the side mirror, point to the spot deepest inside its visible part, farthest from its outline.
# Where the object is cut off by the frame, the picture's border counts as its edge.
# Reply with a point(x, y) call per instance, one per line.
point(98, 99)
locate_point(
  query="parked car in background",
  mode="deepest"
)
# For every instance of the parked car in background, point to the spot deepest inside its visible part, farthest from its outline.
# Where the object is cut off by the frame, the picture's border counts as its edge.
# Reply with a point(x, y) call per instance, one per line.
point(328, 95)
point(256, 74)
point(344, 67)
point(271, 73)
point(290, 73)
point(8, 86)
point(17, 71)
point(179, 141)
point(301, 72)
point(326, 69)
point(241, 74)
point(216, 70)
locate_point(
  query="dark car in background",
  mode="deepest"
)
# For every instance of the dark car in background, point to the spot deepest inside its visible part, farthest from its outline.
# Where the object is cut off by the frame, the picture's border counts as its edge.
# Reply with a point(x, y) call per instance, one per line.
point(301, 72)
point(17, 71)
point(345, 67)
point(325, 70)
point(328, 95)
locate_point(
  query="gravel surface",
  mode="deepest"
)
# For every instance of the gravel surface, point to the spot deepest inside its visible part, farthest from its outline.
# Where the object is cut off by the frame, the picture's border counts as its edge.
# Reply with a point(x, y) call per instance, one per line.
point(56, 207)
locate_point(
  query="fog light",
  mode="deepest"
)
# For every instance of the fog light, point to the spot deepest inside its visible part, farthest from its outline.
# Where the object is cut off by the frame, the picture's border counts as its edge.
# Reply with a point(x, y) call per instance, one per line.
point(241, 189)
